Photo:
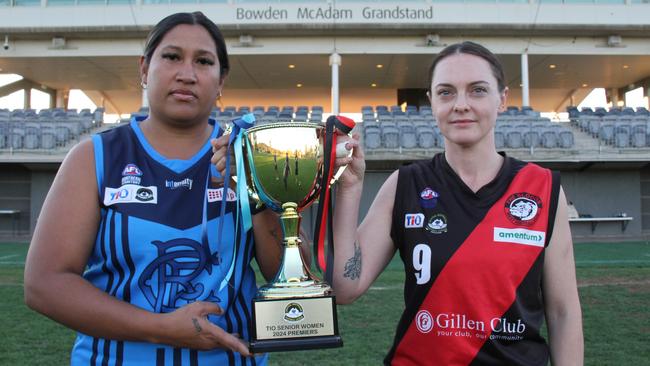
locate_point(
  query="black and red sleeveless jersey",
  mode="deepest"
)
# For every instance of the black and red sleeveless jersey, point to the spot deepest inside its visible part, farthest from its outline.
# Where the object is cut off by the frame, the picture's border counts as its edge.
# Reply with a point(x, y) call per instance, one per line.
point(473, 263)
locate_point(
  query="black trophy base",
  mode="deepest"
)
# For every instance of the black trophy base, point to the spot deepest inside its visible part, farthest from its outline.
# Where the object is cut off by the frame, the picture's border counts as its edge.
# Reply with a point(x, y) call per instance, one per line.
point(296, 344)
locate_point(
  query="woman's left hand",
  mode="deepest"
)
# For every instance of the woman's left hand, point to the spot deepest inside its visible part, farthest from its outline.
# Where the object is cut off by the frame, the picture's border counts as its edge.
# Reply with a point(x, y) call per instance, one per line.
point(356, 163)
point(220, 150)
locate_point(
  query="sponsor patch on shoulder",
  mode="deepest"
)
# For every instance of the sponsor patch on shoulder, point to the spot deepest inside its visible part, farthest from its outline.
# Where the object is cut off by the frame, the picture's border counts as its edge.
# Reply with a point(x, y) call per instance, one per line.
point(520, 236)
point(130, 193)
point(413, 220)
point(132, 169)
point(215, 194)
point(429, 198)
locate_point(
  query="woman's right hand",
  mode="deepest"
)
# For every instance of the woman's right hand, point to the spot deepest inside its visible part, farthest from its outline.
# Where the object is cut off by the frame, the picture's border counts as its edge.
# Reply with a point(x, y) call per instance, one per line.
point(189, 327)
point(220, 152)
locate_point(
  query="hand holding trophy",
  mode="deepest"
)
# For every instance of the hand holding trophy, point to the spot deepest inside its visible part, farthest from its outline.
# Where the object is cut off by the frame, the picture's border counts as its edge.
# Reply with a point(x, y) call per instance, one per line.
point(288, 165)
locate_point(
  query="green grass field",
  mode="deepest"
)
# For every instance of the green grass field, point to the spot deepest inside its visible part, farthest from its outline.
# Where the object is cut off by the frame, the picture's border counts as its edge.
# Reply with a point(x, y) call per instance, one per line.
point(613, 280)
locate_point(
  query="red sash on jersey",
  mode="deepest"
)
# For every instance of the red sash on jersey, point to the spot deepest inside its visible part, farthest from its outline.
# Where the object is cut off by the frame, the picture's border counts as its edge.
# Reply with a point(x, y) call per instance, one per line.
point(454, 320)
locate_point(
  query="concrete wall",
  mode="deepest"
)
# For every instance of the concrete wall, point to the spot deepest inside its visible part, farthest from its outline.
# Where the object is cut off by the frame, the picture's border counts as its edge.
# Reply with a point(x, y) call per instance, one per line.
point(15, 187)
point(41, 183)
point(605, 193)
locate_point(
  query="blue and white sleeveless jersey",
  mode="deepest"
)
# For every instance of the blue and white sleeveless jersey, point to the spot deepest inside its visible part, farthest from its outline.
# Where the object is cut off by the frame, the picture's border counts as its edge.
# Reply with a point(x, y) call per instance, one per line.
point(157, 248)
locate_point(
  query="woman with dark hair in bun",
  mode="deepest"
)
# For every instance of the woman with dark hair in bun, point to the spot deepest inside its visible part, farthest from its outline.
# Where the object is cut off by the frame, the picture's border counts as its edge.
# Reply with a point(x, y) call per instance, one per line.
point(143, 265)
point(484, 237)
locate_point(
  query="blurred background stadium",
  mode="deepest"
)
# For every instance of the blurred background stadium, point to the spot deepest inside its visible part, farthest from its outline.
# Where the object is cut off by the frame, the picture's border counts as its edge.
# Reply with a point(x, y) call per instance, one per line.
point(578, 73)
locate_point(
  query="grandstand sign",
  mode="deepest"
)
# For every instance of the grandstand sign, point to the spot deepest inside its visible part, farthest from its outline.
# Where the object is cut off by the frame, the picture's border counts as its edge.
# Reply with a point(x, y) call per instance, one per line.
point(326, 14)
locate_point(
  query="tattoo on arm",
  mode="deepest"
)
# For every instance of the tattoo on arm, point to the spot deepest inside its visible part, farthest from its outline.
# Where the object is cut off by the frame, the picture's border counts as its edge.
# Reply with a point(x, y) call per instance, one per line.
point(353, 266)
point(197, 326)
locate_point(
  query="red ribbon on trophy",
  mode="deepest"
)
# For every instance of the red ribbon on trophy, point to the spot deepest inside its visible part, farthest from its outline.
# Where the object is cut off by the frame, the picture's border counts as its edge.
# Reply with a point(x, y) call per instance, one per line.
point(324, 213)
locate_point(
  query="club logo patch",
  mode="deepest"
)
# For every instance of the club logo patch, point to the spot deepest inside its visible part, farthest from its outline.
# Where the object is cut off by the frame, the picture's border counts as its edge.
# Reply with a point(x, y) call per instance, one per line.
point(130, 193)
point(293, 312)
point(428, 198)
point(132, 169)
point(424, 321)
point(144, 195)
point(437, 224)
point(523, 208)
point(413, 220)
point(131, 174)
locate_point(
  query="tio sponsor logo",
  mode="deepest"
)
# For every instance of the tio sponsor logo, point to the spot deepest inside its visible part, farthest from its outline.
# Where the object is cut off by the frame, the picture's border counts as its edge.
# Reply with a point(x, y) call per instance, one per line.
point(415, 220)
point(120, 194)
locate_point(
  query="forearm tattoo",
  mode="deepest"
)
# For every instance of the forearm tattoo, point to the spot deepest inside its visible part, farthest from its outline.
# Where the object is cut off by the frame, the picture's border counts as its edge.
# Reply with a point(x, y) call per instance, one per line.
point(353, 266)
point(197, 326)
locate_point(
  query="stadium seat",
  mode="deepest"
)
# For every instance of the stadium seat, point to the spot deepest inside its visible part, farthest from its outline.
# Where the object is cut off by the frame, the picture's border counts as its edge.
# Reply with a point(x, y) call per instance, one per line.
point(621, 138)
point(390, 136)
point(600, 111)
point(594, 125)
point(4, 131)
point(549, 139)
point(514, 140)
point(566, 139)
point(32, 135)
point(425, 111)
point(285, 115)
point(408, 138)
point(16, 138)
point(573, 111)
point(512, 110)
point(585, 111)
point(642, 111)
point(639, 140)
point(372, 137)
point(499, 139)
point(606, 133)
point(531, 139)
point(426, 136)
point(623, 127)
point(48, 138)
point(627, 111)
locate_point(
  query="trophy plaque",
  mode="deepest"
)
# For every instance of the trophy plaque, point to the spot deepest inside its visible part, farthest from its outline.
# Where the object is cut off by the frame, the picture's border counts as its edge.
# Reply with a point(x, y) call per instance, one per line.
point(284, 165)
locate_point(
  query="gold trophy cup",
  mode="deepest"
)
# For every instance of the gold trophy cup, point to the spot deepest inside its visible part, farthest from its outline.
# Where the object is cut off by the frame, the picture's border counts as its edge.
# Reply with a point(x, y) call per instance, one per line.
point(284, 163)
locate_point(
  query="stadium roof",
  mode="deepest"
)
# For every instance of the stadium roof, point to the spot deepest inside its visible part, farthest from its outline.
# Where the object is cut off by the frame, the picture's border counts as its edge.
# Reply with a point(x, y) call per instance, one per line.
point(571, 47)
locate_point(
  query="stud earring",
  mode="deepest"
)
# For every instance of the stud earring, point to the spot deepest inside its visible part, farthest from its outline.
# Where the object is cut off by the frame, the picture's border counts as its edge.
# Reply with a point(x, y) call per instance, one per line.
point(143, 85)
